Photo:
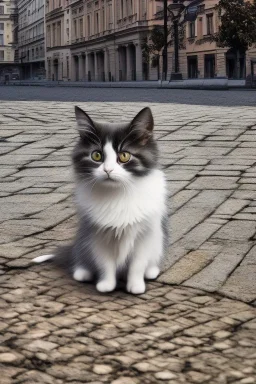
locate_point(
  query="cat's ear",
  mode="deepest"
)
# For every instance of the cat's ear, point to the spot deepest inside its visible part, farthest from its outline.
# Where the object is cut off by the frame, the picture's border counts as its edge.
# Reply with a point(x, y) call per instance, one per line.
point(143, 120)
point(85, 124)
point(142, 126)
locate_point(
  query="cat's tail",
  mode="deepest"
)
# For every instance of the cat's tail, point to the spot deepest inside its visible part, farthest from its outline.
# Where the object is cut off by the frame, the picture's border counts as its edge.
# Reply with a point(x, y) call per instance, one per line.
point(61, 257)
point(42, 259)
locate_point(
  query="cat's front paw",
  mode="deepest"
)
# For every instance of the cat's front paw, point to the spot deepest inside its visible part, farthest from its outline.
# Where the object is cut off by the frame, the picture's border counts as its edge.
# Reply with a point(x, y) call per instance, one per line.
point(136, 288)
point(105, 286)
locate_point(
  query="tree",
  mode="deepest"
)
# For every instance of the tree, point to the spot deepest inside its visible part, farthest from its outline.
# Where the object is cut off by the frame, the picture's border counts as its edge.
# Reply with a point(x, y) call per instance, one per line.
point(238, 26)
point(152, 47)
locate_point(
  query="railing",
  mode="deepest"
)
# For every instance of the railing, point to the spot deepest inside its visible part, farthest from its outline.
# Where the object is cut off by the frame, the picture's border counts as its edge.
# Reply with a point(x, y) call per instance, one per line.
point(78, 40)
point(31, 39)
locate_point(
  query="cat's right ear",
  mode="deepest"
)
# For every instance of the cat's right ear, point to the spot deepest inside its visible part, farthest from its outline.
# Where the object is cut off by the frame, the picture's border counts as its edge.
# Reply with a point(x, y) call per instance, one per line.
point(85, 124)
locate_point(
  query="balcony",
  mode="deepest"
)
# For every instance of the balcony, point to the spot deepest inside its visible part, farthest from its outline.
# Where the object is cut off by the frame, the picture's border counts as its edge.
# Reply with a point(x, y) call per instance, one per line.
point(78, 40)
point(31, 40)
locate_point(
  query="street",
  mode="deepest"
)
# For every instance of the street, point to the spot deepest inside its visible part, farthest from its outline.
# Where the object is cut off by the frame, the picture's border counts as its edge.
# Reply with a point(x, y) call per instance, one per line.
point(196, 323)
point(229, 98)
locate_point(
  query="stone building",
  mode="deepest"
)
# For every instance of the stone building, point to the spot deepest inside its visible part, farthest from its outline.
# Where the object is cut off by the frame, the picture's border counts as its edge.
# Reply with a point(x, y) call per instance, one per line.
point(202, 58)
point(8, 35)
point(100, 40)
point(31, 36)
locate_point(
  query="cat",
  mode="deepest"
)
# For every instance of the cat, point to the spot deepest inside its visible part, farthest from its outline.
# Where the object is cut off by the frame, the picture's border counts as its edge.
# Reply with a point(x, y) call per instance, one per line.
point(121, 203)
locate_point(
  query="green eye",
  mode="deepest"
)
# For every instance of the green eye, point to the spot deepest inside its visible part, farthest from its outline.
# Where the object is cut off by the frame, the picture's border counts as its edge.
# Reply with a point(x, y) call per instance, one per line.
point(96, 156)
point(124, 157)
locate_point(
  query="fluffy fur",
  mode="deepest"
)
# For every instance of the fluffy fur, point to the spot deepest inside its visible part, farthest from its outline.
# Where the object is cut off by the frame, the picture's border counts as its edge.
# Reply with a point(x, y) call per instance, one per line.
point(121, 206)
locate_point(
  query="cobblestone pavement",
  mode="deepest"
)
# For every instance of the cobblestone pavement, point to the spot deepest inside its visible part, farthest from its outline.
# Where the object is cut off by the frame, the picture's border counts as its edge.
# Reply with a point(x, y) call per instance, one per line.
point(197, 323)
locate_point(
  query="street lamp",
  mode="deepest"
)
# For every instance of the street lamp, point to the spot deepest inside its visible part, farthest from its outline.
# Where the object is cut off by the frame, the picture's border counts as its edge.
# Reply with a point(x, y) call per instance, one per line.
point(175, 10)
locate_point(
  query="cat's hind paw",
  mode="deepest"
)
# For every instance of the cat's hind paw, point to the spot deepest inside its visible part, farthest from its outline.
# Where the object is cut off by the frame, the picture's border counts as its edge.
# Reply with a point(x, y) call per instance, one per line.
point(82, 274)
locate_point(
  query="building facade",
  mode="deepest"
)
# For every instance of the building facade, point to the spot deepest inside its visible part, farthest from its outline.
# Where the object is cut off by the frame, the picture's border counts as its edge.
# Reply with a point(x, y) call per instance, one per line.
point(31, 39)
point(98, 40)
point(8, 39)
point(201, 57)
point(101, 40)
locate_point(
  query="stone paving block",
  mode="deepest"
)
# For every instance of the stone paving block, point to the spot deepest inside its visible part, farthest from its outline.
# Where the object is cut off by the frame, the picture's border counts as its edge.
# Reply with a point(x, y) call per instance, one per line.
point(188, 266)
point(241, 283)
point(214, 275)
point(214, 183)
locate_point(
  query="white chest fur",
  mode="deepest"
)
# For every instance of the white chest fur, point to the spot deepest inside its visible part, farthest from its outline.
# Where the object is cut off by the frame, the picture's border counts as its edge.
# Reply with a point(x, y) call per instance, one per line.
point(118, 208)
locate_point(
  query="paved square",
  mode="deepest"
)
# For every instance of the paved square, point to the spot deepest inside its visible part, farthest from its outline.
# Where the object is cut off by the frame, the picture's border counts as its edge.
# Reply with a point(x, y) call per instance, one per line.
point(197, 323)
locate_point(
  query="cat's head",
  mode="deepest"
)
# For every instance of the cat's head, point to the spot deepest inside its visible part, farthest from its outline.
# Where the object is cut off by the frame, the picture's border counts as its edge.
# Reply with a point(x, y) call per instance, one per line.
point(114, 154)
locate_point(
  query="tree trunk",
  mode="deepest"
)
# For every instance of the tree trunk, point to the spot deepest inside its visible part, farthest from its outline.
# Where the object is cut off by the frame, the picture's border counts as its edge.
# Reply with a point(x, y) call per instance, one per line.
point(237, 64)
point(158, 68)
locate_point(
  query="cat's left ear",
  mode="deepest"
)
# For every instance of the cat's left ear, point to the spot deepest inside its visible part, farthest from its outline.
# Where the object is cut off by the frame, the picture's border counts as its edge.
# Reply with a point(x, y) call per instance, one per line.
point(142, 126)
point(84, 122)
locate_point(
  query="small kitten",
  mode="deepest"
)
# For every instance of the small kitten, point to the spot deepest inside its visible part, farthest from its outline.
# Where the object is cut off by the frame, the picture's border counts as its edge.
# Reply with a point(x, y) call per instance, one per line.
point(121, 201)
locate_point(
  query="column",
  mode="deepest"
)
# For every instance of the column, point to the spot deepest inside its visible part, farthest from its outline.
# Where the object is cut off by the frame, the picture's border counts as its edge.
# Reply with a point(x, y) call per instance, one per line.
point(80, 67)
point(96, 66)
point(128, 63)
point(117, 64)
point(139, 73)
point(106, 64)
point(72, 68)
point(220, 64)
point(87, 67)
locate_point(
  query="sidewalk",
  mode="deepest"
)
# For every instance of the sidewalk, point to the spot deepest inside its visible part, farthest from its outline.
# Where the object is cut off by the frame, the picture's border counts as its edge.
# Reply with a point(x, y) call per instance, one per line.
point(196, 324)
point(214, 84)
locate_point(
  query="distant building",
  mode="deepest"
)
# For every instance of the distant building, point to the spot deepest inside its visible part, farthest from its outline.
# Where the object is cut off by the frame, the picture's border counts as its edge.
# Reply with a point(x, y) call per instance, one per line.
point(8, 38)
point(98, 40)
point(31, 36)
point(101, 40)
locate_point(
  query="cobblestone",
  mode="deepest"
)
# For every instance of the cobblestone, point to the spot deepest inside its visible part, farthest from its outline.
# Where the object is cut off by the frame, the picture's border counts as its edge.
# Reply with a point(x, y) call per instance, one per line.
point(197, 323)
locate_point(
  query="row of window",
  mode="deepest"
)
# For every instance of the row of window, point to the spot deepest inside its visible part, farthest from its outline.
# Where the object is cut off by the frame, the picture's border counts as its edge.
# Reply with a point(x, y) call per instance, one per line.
point(33, 53)
point(32, 32)
point(209, 26)
point(209, 66)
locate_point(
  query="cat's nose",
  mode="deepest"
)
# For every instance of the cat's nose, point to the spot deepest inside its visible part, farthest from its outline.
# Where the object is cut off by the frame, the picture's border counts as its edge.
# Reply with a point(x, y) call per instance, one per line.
point(108, 170)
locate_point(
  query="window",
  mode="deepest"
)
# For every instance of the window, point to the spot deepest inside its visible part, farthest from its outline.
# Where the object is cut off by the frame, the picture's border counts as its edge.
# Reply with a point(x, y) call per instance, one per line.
point(1, 10)
point(209, 24)
point(1, 55)
point(89, 25)
point(1, 39)
point(75, 29)
point(122, 9)
point(1, 26)
point(96, 22)
point(192, 29)
point(192, 67)
point(209, 66)
point(48, 36)
point(103, 19)
point(53, 35)
point(81, 28)
point(58, 38)
point(68, 67)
